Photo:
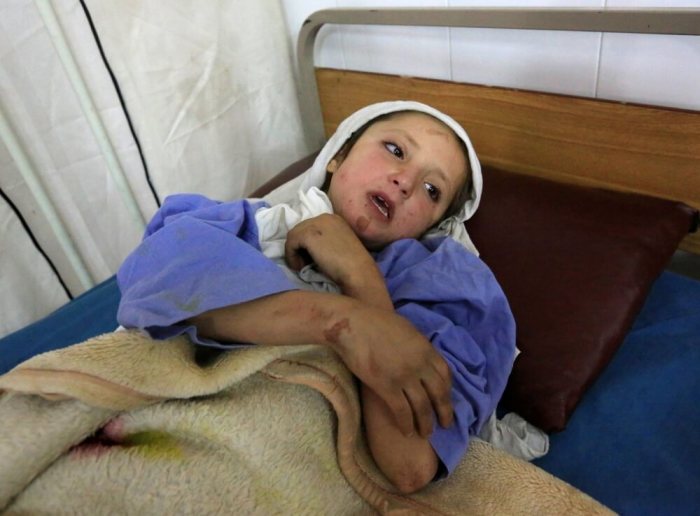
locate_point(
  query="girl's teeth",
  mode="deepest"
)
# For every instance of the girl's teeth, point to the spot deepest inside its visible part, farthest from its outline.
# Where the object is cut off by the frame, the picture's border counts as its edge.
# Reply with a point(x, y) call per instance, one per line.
point(379, 203)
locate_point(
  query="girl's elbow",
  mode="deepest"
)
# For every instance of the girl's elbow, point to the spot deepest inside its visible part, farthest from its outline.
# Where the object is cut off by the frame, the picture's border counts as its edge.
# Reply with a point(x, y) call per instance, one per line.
point(413, 479)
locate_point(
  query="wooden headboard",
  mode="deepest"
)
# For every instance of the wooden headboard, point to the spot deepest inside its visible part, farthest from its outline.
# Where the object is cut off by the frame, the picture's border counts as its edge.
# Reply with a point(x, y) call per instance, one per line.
point(645, 149)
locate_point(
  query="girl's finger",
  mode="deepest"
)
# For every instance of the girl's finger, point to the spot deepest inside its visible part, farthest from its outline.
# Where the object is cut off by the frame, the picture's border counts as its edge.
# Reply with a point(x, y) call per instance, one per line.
point(422, 409)
point(442, 369)
point(439, 394)
point(295, 254)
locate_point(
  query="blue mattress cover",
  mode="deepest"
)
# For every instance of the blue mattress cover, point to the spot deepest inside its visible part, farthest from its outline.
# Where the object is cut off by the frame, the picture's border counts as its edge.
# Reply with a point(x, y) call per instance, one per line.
point(633, 443)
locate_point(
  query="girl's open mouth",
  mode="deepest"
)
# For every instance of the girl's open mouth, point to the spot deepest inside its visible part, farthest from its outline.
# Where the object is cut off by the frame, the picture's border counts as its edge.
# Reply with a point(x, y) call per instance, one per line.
point(382, 204)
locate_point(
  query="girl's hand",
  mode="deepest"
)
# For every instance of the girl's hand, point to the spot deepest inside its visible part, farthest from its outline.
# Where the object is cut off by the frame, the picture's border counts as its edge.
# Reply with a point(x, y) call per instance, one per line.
point(332, 245)
point(399, 364)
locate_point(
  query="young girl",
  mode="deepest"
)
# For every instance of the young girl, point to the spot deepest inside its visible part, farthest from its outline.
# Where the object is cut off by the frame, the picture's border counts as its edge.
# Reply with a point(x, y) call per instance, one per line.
point(377, 266)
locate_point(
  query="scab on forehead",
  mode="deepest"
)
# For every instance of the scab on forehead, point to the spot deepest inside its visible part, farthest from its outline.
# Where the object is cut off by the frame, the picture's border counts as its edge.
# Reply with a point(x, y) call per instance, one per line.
point(445, 132)
point(437, 132)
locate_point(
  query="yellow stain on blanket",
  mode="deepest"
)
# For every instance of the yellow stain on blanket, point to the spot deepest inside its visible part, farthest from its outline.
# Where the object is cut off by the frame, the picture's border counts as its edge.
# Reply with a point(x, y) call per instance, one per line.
point(154, 444)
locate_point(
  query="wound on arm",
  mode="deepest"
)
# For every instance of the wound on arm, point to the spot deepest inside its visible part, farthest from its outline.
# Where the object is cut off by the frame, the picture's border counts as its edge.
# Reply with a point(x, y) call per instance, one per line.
point(332, 334)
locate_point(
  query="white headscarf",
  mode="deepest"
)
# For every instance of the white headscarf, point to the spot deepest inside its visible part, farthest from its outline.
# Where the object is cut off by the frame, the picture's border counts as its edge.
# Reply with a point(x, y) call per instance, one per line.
point(452, 226)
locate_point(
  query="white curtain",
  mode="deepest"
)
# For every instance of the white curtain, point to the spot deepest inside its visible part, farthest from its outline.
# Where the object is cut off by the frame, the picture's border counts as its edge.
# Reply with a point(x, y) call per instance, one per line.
point(209, 92)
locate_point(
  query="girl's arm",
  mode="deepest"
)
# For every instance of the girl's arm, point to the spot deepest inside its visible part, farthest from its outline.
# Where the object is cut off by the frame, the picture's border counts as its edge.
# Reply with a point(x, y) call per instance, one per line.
point(380, 347)
point(408, 461)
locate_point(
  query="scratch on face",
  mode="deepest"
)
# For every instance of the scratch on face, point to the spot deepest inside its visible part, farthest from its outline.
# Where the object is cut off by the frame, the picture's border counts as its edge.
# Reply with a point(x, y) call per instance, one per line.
point(361, 223)
point(438, 132)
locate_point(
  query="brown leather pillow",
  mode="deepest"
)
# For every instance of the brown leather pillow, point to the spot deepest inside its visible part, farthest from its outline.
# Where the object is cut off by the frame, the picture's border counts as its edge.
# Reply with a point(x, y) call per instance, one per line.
point(576, 264)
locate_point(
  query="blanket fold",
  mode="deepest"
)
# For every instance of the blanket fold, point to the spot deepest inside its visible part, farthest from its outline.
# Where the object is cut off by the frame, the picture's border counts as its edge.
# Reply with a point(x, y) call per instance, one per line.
point(124, 424)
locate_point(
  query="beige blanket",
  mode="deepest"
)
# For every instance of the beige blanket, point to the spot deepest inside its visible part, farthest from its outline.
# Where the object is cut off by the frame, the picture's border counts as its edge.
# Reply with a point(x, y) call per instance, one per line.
point(173, 430)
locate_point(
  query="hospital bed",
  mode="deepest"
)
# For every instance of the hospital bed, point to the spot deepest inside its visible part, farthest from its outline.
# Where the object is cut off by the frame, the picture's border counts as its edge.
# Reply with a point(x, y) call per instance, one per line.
point(586, 203)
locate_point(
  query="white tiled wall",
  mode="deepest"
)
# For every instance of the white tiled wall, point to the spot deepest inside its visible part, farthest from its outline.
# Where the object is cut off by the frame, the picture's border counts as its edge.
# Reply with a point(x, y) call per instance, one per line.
point(663, 70)
point(526, 59)
point(415, 51)
point(536, 60)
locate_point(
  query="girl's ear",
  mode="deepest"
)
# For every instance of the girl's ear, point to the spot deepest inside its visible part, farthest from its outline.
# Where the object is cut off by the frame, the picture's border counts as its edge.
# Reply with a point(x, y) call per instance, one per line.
point(332, 166)
point(339, 157)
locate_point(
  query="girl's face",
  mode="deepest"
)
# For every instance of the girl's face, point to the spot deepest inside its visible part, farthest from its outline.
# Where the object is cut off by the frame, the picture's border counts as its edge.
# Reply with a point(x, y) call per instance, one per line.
point(398, 179)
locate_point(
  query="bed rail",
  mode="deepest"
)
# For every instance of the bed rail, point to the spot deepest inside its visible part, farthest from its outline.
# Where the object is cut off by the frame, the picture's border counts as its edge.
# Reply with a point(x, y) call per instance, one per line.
point(645, 21)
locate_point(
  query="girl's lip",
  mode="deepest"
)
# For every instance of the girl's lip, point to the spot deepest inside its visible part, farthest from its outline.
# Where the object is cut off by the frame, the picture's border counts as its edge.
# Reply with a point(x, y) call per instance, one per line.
point(382, 204)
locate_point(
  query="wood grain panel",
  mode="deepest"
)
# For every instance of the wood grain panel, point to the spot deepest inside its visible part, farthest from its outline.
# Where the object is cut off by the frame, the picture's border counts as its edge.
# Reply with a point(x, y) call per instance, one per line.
point(644, 149)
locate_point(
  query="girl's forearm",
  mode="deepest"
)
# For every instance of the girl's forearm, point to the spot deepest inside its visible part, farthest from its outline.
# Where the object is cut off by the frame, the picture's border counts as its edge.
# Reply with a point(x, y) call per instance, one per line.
point(409, 462)
point(284, 319)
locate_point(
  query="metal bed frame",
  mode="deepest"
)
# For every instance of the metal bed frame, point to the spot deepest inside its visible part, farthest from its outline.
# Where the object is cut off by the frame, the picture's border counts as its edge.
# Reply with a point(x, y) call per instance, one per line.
point(684, 22)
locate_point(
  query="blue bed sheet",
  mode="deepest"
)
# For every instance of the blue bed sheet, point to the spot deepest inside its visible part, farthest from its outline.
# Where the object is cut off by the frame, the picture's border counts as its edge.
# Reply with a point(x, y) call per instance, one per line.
point(92, 313)
point(634, 441)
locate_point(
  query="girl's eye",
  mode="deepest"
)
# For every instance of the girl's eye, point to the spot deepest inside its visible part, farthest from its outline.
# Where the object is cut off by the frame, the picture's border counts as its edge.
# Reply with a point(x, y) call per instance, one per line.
point(394, 149)
point(433, 192)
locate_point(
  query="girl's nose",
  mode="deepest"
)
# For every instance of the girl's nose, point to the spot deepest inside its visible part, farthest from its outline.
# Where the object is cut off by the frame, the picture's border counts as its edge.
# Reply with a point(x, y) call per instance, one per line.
point(404, 180)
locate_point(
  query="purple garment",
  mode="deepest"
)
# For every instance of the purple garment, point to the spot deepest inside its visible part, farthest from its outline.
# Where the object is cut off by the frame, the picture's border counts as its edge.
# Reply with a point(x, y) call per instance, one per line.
point(199, 254)
point(452, 297)
point(196, 255)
